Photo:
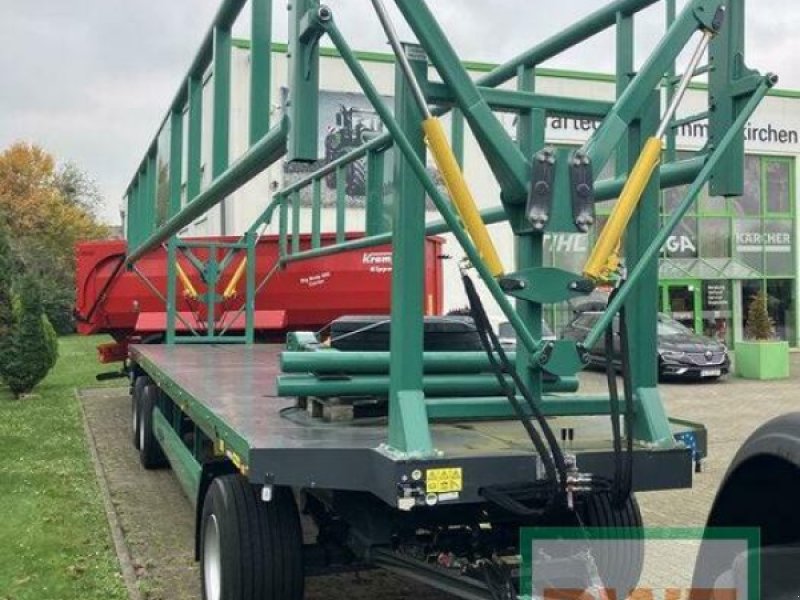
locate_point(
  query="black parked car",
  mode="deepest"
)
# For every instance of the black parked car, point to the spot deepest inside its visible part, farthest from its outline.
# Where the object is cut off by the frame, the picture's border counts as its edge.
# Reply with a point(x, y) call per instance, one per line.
point(681, 352)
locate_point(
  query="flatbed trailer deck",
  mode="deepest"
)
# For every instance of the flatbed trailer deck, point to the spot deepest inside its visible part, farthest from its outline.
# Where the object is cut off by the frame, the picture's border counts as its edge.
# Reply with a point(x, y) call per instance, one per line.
point(230, 393)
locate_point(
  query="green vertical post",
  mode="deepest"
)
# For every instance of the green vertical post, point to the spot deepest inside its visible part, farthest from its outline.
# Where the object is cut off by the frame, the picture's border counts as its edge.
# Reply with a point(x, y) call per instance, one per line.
point(220, 147)
point(303, 86)
point(625, 72)
point(316, 213)
point(211, 279)
point(374, 201)
point(408, 418)
point(641, 308)
point(529, 246)
point(283, 226)
point(195, 138)
point(152, 187)
point(260, 67)
point(671, 153)
point(250, 282)
point(175, 161)
point(295, 196)
point(341, 198)
point(172, 288)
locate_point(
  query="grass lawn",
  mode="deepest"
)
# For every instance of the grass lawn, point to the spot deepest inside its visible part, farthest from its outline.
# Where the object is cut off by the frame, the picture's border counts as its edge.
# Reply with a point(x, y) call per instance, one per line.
point(54, 537)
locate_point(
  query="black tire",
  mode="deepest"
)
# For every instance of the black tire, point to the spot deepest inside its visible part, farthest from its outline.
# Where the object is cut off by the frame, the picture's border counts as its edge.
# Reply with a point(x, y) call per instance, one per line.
point(138, 387)
point(619, 564)
point(150, 454)
point(249, 548)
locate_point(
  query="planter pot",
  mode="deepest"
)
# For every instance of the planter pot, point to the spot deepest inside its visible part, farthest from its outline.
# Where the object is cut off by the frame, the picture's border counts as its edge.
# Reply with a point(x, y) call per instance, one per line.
point(762, 360)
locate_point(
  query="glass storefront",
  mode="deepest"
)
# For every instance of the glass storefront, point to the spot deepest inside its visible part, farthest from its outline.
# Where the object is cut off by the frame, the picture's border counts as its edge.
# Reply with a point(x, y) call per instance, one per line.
point(719, 256)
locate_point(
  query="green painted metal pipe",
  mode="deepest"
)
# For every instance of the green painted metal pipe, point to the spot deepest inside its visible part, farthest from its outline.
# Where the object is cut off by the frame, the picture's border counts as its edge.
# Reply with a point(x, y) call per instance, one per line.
point(184, 465)
point(260, 67)
point(226, 15)
point(672, 175)
point(576, 33)
point(378, 385)
point(663, 234)
point(510, 167)
point(637, 93)
point(418, 168)
point(377, 363)
point(270, 149)
point(513, 100)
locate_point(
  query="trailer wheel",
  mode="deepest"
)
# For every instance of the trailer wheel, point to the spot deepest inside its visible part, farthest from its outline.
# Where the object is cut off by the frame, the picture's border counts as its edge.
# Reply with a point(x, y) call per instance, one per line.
point(250, 548)
point(138, 387)
point(150, 454)
point(619, 563)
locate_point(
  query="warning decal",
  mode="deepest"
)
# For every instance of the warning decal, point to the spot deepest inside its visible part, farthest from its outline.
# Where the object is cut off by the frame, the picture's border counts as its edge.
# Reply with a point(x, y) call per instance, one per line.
point(440, 481)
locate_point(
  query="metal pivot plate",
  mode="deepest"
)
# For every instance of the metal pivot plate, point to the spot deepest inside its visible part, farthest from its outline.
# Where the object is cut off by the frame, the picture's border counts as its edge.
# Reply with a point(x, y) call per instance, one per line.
point(540, 197)
point(582, 191)
point(561, 357)
point(545, 285)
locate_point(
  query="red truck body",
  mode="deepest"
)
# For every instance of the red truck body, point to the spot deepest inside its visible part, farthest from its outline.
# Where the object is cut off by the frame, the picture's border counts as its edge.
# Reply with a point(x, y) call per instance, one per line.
point(306, 294)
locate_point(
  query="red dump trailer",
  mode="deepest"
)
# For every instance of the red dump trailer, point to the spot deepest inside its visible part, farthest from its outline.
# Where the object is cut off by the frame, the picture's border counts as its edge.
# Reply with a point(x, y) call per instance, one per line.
point(303, 295)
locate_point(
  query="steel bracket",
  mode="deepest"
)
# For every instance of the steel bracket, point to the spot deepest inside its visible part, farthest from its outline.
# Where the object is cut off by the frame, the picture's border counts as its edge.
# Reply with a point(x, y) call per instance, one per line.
point(540, 196)
point(581, 182)
point(545, 285)
point(710, 14)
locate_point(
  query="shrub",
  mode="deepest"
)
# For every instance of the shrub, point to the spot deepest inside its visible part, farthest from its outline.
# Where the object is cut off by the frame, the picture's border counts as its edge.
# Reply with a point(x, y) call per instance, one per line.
point(759, 324)
point(33, 346)
point(6, 298)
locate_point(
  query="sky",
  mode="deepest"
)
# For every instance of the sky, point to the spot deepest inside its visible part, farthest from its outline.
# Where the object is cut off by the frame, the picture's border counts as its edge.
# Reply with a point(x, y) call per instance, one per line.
point(91, 80)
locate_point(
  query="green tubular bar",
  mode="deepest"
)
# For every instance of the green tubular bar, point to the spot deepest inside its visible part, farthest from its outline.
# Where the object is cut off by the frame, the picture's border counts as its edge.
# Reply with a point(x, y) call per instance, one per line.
point(270, 149)
point(680, 173)
point(441, 203)
point(375, 363)
point(662, 234)
point(510, 166)
point(605, 140)
point(466, 385)
point(186, 468)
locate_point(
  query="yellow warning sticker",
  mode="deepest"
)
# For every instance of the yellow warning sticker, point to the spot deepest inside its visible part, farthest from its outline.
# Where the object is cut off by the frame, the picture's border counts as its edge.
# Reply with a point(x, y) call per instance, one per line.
point(439, 481)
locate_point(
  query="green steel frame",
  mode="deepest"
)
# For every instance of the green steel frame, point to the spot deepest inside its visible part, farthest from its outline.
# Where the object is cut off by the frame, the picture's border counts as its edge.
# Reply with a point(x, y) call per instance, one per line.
point(627, 123)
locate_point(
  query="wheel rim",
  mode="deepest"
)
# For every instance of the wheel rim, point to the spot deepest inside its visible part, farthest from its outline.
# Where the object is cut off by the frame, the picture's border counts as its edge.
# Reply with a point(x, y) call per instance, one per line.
point(212, 566)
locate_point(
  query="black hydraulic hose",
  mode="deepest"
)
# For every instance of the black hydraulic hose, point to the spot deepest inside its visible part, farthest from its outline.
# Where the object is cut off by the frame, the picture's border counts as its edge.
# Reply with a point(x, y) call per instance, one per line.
point(627, 389)
point(554, 463)
point(623, 462)
point(613, 397)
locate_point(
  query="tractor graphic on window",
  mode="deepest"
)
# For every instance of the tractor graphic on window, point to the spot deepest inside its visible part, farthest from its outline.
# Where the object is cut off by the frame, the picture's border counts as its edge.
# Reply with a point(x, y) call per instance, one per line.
point(354, 126)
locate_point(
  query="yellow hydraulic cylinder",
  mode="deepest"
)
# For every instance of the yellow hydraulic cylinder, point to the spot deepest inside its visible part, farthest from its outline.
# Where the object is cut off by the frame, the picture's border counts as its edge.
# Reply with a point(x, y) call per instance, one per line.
point(460, 194)
point(600, 263)
point(188, 287)
point(230, 289)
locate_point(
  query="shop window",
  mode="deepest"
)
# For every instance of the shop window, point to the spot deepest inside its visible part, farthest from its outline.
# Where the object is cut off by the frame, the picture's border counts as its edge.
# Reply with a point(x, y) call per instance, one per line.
point(777, 241)
point(717, 310)
point(682, 242)
point(780, 305)
point(749, 291)
point(777, 177)
point(750, 202)
point(747, 244)
point(715, 237)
